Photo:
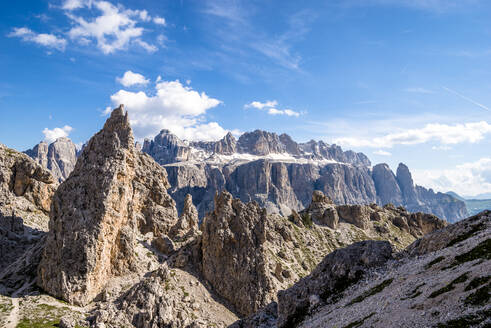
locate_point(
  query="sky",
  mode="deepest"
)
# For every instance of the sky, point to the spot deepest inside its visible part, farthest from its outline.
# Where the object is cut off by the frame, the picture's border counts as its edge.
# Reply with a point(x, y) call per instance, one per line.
point(400, 80)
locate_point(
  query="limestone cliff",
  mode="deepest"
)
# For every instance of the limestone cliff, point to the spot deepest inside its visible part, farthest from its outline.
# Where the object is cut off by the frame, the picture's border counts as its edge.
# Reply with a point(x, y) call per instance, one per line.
point(249, 255)
point(441, 280)
point(25, 199)
point(113, 191)
point(59, 157)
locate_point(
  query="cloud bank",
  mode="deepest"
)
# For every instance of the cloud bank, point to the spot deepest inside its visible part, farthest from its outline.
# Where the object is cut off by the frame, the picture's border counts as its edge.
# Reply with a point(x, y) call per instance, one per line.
point(442, 133)
point(468, 179)
point(173, 106)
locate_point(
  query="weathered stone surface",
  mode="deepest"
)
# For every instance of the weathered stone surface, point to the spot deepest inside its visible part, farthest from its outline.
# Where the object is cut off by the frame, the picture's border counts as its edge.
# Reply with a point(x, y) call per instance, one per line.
point(442, 280)
point(359, 215)
point(59, 157)
point(187, 225)
point(248, 255)
point(25, 198)
point(232, 260)
point(335, 273)
point(322, 210)
point(113, 192)
point(388, 191)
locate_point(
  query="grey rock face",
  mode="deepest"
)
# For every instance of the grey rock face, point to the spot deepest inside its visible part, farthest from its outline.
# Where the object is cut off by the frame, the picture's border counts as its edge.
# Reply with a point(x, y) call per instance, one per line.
point(232, 261)
point(58, 157)
point(402, 191)
point(278, 186)
point(26, 190)
point(166, 148)
point(406, 184)
point(388, 190)
point(113, 193)
point(260, 143)
point(337, 271)
point(441, 279)
point(226, 146)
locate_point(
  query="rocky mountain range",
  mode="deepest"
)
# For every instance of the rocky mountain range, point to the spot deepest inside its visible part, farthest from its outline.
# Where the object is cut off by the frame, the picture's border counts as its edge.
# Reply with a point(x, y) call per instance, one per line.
point(118, 254)
point(59, 157)
point(281, 174)
point(277, 172)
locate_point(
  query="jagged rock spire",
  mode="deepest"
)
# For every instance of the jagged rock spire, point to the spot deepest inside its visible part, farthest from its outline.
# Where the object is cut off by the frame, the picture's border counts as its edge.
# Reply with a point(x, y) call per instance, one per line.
point(114, 193)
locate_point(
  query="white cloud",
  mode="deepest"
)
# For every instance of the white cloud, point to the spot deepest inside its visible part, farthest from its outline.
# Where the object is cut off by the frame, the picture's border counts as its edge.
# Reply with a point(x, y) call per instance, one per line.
point(47, 40)
point(261, 105)
point(442, 133)
point(382, 153)
point(159, 20)
point(72, 4)
point(270, 107)
point(115, 28)
point(129, 78)
point(148, 47)
point(51, 135)
point(287, 112)
point(174, 106)
point(470, 179)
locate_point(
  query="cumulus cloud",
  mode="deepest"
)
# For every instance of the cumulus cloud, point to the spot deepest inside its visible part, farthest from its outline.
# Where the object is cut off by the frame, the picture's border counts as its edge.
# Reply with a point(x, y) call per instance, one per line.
point(115, 28)
point(51, 135)
point(382, 153)
point(129, 78)
point(442, 133)
point(173, 106)
point(43, 39)
point(159, 20)
point(261, 105)
point(270, 107)
point(469, 179)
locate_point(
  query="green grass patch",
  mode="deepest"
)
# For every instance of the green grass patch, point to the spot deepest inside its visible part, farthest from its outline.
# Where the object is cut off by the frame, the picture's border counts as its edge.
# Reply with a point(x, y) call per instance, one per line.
point(38, 323)
point(375, 290)
point(450, 286)
point(479, 297)
point(435, 261)
point(481, 251)
point(469, 320)
point(414, 293)
point(477, 282)
point(474, 229)
point(360, 322)
point(307, 220)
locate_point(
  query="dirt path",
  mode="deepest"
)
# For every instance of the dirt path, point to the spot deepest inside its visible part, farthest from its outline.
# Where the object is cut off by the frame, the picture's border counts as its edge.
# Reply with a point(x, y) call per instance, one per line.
point(13, 318)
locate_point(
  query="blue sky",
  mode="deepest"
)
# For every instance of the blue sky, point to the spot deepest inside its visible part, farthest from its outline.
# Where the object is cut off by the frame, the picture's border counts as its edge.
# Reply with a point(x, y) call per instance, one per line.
point(402, 81)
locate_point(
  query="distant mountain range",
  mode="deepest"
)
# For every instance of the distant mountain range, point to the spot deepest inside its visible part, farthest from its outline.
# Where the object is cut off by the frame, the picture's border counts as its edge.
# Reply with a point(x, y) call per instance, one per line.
point(273, 170)
point(475, 204)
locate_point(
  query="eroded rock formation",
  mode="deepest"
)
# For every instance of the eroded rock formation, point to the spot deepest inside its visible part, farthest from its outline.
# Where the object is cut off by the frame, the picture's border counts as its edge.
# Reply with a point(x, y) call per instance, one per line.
point(113, 192)
point(441, 280)
point(249, 255)
point(25, 199)
point(59, 157)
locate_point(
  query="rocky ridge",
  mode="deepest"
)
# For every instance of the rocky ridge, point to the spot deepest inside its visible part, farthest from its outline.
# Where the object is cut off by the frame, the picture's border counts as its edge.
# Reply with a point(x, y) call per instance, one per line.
point(441, 280)
point(25, 199)
point(285, 174)
point(248, 255)
point(114, 193)
point(118, 252)
point(59, 157)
